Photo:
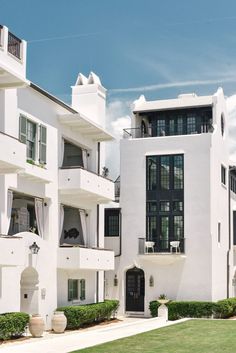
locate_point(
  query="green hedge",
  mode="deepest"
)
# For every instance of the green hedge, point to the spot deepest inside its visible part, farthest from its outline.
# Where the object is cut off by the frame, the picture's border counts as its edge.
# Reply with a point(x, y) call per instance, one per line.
point(13, 325)
point(181, 309)
point(80, 315)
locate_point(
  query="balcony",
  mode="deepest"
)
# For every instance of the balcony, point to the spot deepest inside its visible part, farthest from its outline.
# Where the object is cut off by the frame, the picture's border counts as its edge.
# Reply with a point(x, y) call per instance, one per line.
point(80, 183)
point(154, 131)
point(12, 60)
point(12, 154)
point(163, 252)
point(11, 251)
point(78, 257)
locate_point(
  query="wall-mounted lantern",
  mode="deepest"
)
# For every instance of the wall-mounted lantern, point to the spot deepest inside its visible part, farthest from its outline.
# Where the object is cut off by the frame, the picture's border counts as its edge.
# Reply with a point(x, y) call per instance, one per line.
point(115, 281)
point(34, 248)
point(151, 281)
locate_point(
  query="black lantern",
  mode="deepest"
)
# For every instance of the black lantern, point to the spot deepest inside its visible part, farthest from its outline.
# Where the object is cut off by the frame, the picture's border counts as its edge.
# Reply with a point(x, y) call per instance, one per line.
point(34, 248)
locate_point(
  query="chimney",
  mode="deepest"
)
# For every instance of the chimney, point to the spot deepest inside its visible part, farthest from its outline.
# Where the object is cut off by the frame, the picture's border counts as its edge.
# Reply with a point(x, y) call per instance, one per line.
point(89, 98)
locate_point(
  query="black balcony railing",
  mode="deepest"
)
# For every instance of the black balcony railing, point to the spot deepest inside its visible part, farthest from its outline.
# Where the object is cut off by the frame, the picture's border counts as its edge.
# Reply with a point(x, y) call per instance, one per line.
point(155, 131)
point(167, 246)
point(14, 45)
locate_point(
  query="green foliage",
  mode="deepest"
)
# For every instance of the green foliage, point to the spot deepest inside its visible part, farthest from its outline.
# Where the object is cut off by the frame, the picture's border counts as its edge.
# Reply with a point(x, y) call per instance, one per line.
point(197, 309)
point(80, 315)
point(225, 308)
point(181, 309)
point(13, 325)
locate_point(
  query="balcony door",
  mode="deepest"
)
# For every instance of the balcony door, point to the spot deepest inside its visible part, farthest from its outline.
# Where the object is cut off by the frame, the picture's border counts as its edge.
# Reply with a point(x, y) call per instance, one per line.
point(135, 289)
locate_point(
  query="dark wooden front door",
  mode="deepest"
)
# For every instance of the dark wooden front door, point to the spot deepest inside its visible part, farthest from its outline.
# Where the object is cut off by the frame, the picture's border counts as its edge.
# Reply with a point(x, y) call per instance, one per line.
point(135, 289)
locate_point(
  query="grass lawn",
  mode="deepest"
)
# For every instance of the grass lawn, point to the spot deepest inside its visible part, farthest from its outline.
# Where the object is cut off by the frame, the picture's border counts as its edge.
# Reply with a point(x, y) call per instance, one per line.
point(194, 336)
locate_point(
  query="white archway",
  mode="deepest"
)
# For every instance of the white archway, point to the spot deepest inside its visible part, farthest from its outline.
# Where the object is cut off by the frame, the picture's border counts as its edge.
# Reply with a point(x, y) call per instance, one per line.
point(29, 291)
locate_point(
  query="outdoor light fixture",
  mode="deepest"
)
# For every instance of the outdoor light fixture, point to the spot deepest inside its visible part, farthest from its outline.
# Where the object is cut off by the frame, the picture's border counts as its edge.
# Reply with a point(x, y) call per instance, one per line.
point(34, 248)
point(151, 281)
point(115, 281)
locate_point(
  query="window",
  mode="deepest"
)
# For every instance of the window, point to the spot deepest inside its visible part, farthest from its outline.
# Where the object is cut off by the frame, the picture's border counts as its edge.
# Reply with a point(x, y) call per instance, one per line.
point(82, 289)
point(165, 203)
point(165, 172)
point(223, 175)
point(161, 127)
point(178, 172)
point(219, 232)
point(73, 289)
point(191, 124)
point(112, 222)
point(76, 289)
point(222, 124)
point(28, 135)
point(152, 173)
point(73, 155)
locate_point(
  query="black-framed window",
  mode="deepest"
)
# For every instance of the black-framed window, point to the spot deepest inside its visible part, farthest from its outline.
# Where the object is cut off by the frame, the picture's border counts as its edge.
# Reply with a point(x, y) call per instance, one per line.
point(223, 175)
point(73, 289)
point(165, 201)
point(112, 222)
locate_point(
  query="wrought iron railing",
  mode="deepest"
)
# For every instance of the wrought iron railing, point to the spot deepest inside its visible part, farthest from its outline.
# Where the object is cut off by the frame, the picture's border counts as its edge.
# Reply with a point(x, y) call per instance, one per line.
point(155, 131)
point(14, 45)
point(157, 246)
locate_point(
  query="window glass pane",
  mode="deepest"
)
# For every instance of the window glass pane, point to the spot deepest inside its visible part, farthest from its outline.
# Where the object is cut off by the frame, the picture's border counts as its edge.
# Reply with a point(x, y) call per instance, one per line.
point(178, 172)
point(191, 124)
point(152, 227)
point(30, 139)
point(161, 129)
point(72, 155)
point(178, 206)
point(165, 172)
point(178, 227)
point(152, 206)
point(164, 206)
point(152, 173)
point(180, 126)
point(172, 127)
point(112, 222)
point(164, 232)
point(223, 175)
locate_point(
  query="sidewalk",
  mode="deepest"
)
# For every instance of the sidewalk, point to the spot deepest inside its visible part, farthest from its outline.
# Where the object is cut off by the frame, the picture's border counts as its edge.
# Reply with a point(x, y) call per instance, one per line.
point(70, 341)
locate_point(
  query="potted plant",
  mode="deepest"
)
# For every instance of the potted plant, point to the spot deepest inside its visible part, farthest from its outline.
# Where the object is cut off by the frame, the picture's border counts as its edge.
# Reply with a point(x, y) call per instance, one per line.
point(162, 299)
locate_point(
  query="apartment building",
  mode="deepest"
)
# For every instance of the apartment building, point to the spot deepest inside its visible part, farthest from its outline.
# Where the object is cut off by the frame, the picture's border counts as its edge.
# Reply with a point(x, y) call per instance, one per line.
point(51, 219)
point(177, 200)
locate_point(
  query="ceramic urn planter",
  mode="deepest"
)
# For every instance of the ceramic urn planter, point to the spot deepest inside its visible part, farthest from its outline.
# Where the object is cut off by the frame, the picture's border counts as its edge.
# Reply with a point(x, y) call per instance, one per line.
point(36, 325)
point(59, 322)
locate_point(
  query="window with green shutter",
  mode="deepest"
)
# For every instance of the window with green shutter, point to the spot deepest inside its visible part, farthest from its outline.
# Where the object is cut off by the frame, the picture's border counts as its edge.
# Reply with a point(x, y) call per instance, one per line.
point(23, 129)
point(43, 145)
point(72, 289)
point(82, 289)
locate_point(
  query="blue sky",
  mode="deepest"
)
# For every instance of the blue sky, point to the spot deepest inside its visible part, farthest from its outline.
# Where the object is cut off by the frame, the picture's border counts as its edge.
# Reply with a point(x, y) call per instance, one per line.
point(159, 48)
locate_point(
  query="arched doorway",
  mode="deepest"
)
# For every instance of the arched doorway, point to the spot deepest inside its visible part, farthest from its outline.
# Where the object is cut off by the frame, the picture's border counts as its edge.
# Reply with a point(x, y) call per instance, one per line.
point(135, 290)
point(29, 295)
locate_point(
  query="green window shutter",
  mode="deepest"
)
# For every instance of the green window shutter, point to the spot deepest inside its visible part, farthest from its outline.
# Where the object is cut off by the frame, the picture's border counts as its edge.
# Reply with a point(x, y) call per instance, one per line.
point(43, 145)
point(23, 129)
point(70, 289)
point(82, 289)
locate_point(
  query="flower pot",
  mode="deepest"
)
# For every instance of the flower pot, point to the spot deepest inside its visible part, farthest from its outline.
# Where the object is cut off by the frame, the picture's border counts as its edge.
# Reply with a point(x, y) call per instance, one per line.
point(36, 325)
point(163, 301)
point(59, 322)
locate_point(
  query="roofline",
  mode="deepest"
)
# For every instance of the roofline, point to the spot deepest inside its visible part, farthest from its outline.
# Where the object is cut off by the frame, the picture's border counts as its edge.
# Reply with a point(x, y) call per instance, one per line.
point(53, 98)
point(171, 108)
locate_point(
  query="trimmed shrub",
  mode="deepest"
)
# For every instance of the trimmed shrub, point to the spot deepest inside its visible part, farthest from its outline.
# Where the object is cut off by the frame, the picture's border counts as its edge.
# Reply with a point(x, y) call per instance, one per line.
point(225, 308)
point(13, 325)
point(80, 315)
point(181, 309)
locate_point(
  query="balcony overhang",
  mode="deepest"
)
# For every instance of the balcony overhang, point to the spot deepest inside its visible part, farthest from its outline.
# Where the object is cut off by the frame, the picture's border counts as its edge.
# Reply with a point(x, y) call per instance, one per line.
point(85, 259)
point(36, 174)
point(162, 258)
point(85, 126)
point(10, 79)
point(80, 184)
point(12, 154)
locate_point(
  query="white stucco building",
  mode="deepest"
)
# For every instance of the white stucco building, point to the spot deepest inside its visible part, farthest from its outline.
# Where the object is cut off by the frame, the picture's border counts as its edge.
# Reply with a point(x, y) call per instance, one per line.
point(51, 159)
point(174, 233)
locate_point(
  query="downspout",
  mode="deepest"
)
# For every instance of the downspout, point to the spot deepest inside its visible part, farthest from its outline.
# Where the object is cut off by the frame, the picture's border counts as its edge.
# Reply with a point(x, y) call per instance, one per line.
point(97, 240)
point(229, 210)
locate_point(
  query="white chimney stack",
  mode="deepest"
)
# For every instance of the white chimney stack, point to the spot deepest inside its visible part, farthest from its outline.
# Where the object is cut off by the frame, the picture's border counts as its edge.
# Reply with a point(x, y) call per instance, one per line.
point(89, 98)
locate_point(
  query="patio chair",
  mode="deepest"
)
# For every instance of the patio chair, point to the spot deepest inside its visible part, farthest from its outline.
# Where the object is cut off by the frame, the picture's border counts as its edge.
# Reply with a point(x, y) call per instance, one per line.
point(149, 245)
point(175, 245)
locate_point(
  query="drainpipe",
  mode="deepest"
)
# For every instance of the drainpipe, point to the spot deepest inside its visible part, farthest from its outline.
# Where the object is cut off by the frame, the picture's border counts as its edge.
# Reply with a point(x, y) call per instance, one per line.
point(229, 246)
